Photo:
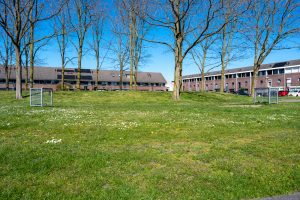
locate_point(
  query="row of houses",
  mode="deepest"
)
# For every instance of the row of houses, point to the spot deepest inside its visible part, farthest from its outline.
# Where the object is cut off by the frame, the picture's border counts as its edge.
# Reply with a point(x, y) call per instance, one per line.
point(50, 77)
point(282, 75)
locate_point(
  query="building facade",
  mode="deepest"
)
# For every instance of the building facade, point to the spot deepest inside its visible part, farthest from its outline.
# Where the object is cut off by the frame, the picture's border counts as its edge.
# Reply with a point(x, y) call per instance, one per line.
point(49, 77)
point(282, 75)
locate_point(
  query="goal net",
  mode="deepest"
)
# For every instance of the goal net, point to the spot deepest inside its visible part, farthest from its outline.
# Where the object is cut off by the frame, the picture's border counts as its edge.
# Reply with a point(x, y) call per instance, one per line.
point(266, 95)
point(41, 97)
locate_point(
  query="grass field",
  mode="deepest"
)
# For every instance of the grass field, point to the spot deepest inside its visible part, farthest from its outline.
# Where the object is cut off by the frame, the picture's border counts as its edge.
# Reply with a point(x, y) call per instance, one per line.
point(142, 145)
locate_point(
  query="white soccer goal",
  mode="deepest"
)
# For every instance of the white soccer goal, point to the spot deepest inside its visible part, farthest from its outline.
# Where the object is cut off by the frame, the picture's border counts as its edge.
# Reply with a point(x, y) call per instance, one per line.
point(41, 97)
point(266, 95)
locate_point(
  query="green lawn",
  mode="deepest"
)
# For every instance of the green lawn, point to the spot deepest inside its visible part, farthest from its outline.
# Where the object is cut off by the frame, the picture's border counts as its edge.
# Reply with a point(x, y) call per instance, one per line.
point(142, 145)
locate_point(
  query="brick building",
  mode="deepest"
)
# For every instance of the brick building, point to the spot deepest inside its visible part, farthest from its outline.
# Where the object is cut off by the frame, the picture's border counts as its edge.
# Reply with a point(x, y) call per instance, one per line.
point(49, 77)
point(282, 75)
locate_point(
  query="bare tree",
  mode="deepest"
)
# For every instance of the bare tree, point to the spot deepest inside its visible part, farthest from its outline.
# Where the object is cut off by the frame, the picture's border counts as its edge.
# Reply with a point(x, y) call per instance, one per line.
point(6, 56)
point(15, 21)
point(270, 23)
point(37, 43)
point(25, 61)
point(32, 22)
point(29, 55)
point(120, 48)
point(62, 31)
point(97, 33)
point(200, 55)
point(226, 41)
point(133, 13)
point(185, 19)
point(80, 23)
point(11, 13)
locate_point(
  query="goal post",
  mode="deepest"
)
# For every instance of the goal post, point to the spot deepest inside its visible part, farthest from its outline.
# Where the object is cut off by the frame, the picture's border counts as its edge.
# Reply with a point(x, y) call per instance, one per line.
point(41, 97)
point(266, 95)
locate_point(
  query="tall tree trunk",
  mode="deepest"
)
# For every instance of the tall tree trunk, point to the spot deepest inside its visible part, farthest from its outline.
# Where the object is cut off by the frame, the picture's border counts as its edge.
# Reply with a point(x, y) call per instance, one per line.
point(253, 78)
point(132, 33)
point(202, 80)
point(79, 67)
point(18, 72)
point(223, 56)
point(6, 77)
point(177, 80)
point(63, 47)
point(203, 63)
point(63, 72)
point(31, 47)
point(26, 70)
point(178, 70)
point(121, 76)
point(6, 70)
point(63, 51)
point(222, 78)
point(98, 69)
point(178, 54)
point(135, 79)
point(31, 54)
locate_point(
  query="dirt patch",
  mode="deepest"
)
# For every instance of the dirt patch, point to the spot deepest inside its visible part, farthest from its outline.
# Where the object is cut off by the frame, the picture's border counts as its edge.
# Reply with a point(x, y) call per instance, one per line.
point(241, 106)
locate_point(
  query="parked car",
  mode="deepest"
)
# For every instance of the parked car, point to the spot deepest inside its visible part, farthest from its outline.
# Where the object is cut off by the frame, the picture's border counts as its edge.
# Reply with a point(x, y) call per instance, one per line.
point(283, 93)
point(294, 91)
point(243, 92)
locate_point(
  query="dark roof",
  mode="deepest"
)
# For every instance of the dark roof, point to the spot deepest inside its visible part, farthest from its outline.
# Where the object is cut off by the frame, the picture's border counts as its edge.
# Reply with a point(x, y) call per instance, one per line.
point(143, 77)
point(244, 69)
point(51, 73)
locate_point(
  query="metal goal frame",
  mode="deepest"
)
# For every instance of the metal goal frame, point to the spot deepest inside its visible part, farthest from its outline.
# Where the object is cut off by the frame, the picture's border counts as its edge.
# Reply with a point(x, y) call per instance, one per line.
point(266, 95)
point(41, 97)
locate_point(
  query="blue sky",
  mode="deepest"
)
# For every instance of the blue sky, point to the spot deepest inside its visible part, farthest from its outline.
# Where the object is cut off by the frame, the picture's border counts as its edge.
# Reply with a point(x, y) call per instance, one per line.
point(161, 60)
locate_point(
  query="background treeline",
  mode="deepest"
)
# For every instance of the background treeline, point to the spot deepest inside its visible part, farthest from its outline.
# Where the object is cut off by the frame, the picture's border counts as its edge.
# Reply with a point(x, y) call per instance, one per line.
point(209, 33)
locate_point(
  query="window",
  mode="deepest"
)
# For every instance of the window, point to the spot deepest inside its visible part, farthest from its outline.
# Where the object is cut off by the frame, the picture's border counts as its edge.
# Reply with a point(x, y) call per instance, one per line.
point(239, 84)
point(275, 71)
point(87, 77)
point(269, 72)
point(281, 71)
point(248, 74)
point(262, 73)
point(279, 81)
point(233, 75)
point(261, 82)
point(295, 70)
point(288, 71)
